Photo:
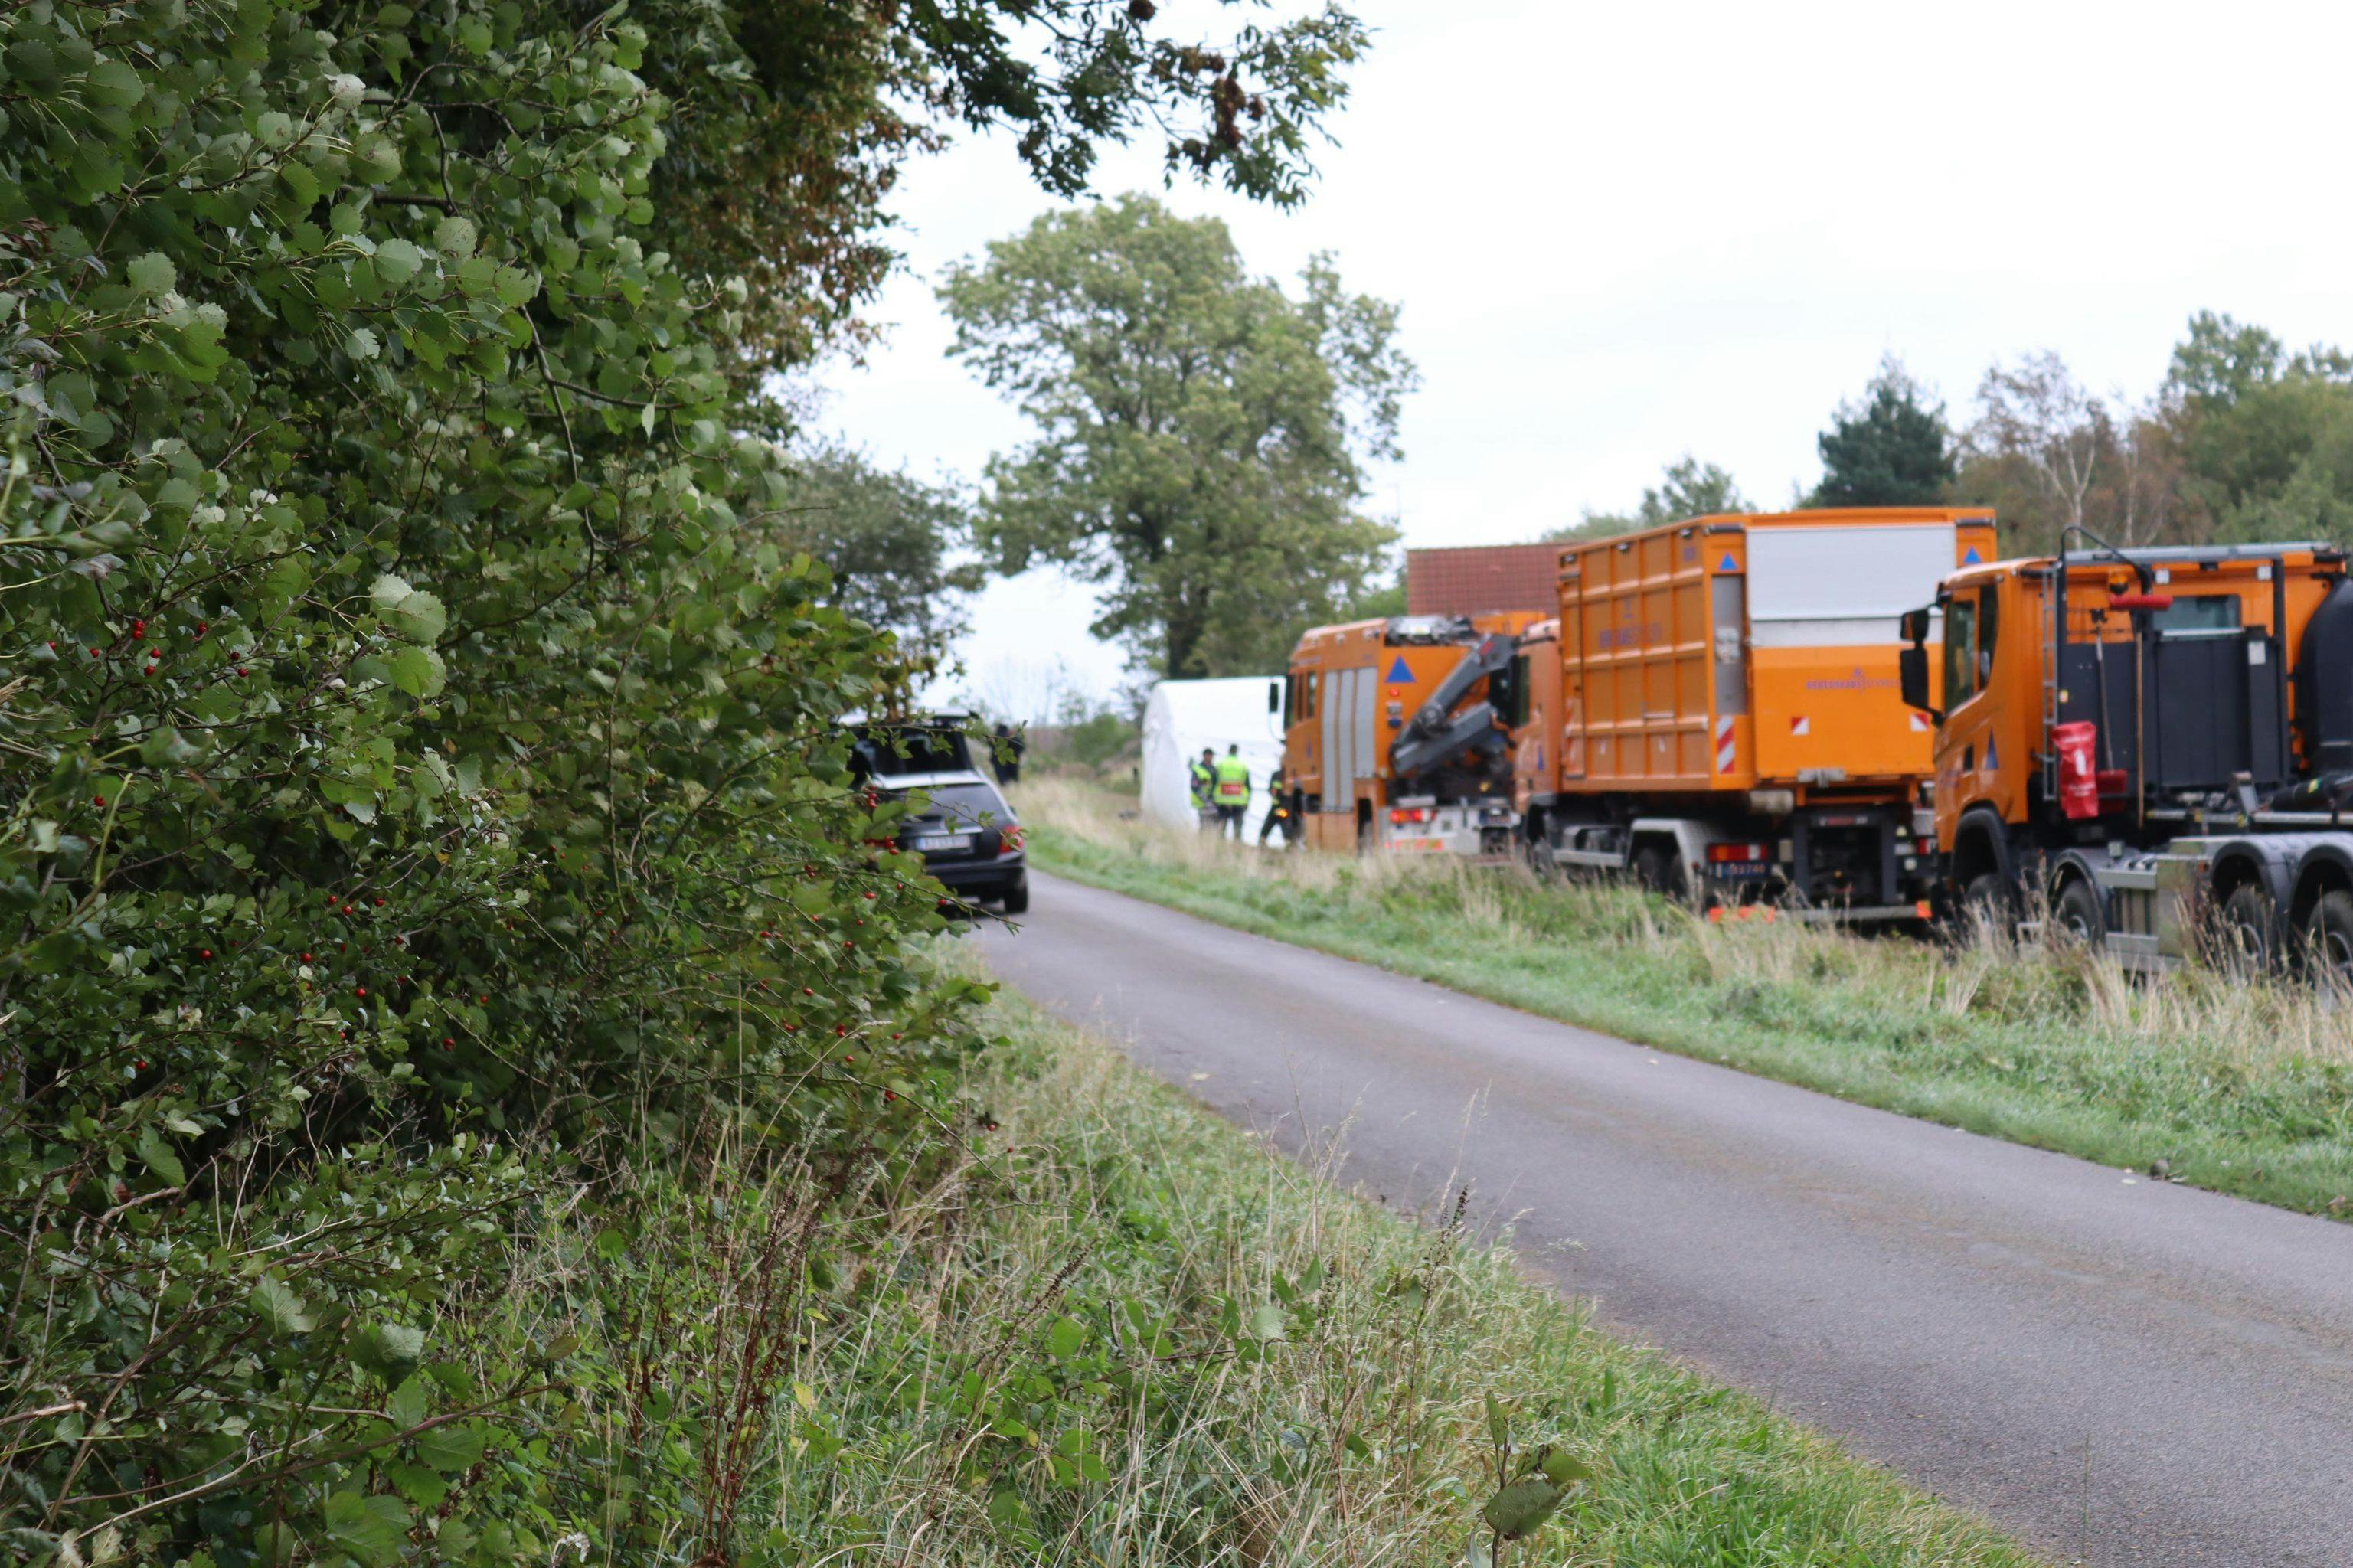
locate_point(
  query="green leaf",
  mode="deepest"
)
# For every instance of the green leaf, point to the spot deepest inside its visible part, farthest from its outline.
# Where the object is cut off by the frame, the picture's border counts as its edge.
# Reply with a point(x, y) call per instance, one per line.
point(418, 619)
point(453, 1448)
point(112, 84)
point(281, 1310)
point(454, 236)
point(398, 260)
point(417, 672)
point(515, 287)
point(154, 1149)
point(151, 274)
point(1266, 1323)
point(163, 747)
point(369, 1528)
point(1066, 1338)
point(361, 343)
point(409, 1403)
point(1499, 1430)
point(1563, 1471)
point(1520, 1507)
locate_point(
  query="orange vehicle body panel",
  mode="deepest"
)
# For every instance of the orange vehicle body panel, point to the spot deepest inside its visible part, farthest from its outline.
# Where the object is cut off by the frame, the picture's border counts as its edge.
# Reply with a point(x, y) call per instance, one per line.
point(1990, 745)
point(1676, 681)
point(1401, 677)
point(1536, 740)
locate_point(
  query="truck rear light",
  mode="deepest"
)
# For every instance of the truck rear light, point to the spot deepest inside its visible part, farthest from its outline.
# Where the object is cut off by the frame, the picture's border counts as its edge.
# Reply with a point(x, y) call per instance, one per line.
point(1401, 814)
point(1718, 854)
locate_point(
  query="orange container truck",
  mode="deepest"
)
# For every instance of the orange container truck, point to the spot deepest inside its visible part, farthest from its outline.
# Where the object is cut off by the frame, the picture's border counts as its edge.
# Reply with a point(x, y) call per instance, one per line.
point(1728, 722)
point(1391, 739)
point(2155, 745)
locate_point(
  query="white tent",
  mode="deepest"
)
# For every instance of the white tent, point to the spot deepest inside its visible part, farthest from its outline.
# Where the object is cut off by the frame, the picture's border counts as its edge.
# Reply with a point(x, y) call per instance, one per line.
point(1183, 716)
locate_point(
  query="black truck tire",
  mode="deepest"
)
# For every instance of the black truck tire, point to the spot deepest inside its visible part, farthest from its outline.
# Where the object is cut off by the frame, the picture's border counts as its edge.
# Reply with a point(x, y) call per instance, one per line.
point(2243, 932)
point(2078, 914)
point(2328, 941)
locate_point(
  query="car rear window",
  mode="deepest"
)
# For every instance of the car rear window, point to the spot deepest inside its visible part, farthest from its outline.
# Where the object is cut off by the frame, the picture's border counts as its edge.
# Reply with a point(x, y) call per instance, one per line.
point(969, 803)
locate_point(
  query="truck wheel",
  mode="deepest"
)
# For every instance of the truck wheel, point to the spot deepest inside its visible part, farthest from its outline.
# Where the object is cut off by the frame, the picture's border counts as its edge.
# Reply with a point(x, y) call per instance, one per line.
point(2078, 912)
point(1658, 868)
point(2243, 932)
point(2328, 941)
point(1017, 895)
point(1988, 901)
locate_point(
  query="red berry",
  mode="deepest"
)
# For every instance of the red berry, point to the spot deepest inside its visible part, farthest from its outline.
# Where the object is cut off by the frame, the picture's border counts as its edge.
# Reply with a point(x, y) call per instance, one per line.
point(240, 669)
point(200, 629)
point(889, 1094)
point(306, 958)
point(841, 1029)
point(870, 895)
point(98, 800)
point(358, 990)
point(141, 1064)
point(898, 1036)
point(154, 653)
point(97, 653)
point(379, 903)
point(206, 953)
point(448, 1042)
point(846, 1060)
point(139, 628)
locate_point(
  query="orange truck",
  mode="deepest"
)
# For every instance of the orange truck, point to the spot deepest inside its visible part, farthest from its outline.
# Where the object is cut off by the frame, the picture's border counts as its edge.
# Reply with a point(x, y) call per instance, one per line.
point(1391, 739)
point(2155, 745)
point(1716, 710)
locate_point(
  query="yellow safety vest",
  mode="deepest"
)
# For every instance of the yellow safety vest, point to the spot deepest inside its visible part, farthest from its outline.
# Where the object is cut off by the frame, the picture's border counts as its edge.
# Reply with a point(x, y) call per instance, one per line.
point(1202, 779)
point(1233, 782)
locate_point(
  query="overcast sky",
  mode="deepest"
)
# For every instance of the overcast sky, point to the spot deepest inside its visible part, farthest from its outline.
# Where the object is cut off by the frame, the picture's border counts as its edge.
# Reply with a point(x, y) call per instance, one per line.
point(1620, 233)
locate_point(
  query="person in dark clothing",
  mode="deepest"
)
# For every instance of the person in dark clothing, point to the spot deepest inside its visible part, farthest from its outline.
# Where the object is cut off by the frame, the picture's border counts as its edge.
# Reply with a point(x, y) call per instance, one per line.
point(1277, 809)
point(1010, 744)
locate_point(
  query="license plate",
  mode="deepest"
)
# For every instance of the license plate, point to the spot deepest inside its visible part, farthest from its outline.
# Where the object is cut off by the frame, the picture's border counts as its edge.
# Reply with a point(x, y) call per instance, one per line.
point(931, 843)
point(1418, 846)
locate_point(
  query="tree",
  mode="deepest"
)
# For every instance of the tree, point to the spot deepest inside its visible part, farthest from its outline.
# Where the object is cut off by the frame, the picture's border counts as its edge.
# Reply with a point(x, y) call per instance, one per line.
point(1891, 448)
point(423, 802)
point(1202, 435)
point(794, 117)
point(1689, 488)
point(889, 539)
point(2049, 455)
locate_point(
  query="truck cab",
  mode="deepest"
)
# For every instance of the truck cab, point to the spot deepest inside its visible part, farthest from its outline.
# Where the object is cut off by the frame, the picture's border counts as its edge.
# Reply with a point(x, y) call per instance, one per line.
point(2137, 739)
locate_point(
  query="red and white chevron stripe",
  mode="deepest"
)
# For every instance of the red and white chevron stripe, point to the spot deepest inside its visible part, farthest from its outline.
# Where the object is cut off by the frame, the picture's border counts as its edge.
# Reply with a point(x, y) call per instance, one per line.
point(1723, 748)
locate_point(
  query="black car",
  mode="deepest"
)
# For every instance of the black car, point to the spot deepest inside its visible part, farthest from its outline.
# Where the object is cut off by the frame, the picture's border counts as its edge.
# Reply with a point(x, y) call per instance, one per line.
point(967, 834)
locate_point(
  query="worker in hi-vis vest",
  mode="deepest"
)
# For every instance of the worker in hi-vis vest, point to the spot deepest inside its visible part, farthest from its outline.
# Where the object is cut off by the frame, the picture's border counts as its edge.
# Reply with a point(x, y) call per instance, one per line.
point(1231, 792)
point(1205, 781)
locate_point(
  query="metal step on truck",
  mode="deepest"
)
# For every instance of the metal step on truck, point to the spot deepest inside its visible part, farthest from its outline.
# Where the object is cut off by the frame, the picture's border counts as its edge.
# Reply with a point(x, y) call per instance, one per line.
point(1391, 741)
point(2155, 744)
point(1717, 711)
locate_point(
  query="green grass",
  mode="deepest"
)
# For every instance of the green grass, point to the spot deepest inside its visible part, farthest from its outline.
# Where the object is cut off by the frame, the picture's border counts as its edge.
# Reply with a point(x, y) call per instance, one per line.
point(1122, 1332)
point(2243, 1088)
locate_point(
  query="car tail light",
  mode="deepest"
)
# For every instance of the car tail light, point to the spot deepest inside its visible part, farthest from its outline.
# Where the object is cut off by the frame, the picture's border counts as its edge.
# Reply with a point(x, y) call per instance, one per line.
point(1012, 836)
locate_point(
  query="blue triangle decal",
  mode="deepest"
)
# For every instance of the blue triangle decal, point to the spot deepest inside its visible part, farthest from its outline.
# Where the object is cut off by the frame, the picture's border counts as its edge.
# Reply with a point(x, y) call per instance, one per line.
point(1993, 758)
point(1972, 558)
point(1400, 673)
point(1727, 563)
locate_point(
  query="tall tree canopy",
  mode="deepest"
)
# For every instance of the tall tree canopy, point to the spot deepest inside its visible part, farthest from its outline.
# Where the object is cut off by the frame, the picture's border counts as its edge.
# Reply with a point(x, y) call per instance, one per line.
point(1202, 433)
point(1688, 488)
point(892, 542)
point(1890, 448)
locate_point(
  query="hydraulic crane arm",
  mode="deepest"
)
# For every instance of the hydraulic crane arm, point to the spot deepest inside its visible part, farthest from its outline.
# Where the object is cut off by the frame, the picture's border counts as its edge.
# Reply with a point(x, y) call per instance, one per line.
point(1436, 734)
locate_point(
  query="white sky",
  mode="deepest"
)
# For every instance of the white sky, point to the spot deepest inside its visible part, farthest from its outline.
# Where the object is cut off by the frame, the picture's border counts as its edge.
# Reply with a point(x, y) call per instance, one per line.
point(1622, 232)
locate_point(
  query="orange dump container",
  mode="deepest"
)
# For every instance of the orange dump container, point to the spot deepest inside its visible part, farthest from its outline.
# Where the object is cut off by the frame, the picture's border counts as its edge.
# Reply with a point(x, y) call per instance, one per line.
point(1738, 652)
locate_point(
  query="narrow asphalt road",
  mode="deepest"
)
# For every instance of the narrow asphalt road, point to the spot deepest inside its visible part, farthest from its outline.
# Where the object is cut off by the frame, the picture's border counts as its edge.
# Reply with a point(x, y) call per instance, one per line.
point(1995, 1322)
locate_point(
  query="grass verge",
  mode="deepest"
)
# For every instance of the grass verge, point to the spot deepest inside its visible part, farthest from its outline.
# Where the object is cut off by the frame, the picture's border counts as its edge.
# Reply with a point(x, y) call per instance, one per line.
point(1130, 1335)
point(2243, 1088)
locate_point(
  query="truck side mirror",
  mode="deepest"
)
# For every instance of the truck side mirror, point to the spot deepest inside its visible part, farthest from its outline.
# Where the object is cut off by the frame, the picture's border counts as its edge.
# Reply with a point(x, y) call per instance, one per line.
point(1912, 668)
point(1274, 697)
point(1916, 628)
